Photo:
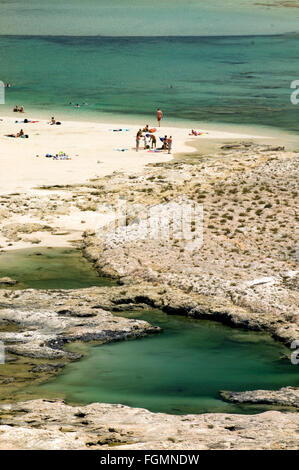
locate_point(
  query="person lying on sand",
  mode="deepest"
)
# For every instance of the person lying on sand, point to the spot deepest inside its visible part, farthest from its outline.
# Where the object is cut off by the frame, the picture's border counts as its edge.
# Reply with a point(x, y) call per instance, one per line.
point(19, 134)
point(196, 133)
point(145, 129)
point(57, 156)
point(26, 121)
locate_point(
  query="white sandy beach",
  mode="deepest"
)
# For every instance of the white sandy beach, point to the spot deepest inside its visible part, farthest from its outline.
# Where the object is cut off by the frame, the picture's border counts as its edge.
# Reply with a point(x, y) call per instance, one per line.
point(93, 150)
point(92, 147)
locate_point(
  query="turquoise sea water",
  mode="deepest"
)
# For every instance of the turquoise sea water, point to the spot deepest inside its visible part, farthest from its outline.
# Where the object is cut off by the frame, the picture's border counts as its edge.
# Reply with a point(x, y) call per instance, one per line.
point(147, 18)
point(238, 80)
point(201, 62)
point(179, 371)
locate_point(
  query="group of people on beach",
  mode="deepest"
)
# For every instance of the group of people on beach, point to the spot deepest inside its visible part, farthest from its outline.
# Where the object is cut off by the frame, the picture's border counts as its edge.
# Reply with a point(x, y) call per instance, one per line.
point(147, 135)
point(18, 109)
point(167, 143)
point(150, 141)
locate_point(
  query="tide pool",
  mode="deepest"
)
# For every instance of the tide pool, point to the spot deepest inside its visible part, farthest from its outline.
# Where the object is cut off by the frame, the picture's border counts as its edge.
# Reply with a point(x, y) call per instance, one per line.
point(178, 371)
point(49, 268)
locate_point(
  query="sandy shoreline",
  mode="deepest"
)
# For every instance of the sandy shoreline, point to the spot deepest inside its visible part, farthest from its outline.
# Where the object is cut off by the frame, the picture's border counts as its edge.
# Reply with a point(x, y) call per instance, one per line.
point(91, 145)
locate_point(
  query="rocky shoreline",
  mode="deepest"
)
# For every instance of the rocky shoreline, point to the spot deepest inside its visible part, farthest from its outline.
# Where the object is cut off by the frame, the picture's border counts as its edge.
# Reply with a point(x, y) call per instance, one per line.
point(245, 275)
point(287, 396)
point(42, 424)
point(37, 326)
point(246, 272)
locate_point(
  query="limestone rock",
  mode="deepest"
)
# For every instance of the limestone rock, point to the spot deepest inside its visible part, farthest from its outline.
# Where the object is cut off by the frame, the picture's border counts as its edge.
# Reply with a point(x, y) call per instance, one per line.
point(7, 281)
point(287, 396)
point(42, 424)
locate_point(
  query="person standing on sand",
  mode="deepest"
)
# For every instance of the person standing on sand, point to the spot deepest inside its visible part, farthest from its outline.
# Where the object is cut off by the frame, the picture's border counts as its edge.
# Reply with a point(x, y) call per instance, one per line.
point(159, 116)
point(138, 138)
point(169, 143)
point(165, 141)
point(146, 141)
point(153, 140)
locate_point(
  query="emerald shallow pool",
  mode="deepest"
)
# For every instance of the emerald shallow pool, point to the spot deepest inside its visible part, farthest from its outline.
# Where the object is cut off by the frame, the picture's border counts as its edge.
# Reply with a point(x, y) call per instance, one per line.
point(178, 371)
point(49, 268)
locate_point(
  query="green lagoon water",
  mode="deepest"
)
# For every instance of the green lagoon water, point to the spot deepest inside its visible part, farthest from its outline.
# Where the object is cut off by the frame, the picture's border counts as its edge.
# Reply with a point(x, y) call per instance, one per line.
point(178, 371)
point(49, 268)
